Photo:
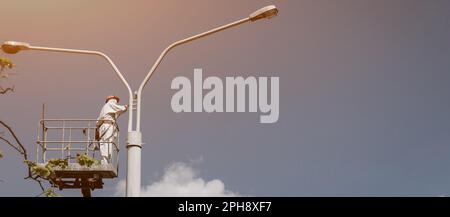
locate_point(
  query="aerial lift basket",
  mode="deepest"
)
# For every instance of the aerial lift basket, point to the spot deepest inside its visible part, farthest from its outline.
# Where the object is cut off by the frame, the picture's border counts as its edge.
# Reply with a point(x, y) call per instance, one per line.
point(66, 139)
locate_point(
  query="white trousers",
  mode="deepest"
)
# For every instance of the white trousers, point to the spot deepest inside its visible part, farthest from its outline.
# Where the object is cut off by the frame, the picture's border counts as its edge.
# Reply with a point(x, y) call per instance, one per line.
point(108, 135)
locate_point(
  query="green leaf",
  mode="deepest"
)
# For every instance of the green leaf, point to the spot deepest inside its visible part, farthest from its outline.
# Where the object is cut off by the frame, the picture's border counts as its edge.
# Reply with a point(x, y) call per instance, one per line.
point(50, 193)
point(62, 163)
point(6, 63)
point(85, 160)
point(29, 163)
point(41, 171)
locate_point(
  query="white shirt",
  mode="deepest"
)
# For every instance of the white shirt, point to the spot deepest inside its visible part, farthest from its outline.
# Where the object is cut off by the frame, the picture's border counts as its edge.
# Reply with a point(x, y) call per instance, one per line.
point(111, 110)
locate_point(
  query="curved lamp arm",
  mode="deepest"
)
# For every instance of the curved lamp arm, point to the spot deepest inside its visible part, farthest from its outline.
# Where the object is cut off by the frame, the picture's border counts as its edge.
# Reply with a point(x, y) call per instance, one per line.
point(97, 53)
point(158, 61)
point(265, 12)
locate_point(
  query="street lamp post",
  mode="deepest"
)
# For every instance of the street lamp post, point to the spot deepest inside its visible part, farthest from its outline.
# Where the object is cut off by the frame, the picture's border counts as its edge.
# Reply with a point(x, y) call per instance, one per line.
point(134, 137)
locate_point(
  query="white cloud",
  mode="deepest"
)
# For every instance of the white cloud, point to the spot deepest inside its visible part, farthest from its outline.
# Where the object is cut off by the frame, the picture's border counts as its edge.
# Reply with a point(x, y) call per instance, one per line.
point(180, 180)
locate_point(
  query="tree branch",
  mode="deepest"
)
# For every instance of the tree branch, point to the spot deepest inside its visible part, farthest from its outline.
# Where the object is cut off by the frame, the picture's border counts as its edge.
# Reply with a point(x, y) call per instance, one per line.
point(21, 149)
point(5, 90)
point(24, 151)
point(10, 144)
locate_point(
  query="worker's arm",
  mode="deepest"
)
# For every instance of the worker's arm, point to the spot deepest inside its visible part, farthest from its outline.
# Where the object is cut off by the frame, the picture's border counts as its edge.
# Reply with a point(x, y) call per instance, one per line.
point(119, 109)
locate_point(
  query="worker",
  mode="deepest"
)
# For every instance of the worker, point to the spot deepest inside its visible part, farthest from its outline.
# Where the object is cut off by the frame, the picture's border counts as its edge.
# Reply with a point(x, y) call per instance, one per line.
point(107, 129)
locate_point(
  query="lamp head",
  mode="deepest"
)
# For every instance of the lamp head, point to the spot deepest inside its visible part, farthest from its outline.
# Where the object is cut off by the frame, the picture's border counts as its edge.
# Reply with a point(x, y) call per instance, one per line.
point(265, 12)
point(12, 47)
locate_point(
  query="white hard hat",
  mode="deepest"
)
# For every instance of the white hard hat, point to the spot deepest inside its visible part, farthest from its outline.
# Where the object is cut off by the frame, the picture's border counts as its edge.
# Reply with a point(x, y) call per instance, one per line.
point(112, 97)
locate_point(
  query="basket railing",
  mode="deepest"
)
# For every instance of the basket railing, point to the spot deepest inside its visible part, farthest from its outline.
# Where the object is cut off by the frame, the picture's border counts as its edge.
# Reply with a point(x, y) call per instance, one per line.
point(67, 138)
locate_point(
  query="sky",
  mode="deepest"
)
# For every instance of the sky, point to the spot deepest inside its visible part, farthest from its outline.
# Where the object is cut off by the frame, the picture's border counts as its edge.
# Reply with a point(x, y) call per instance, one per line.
point(364, 93)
